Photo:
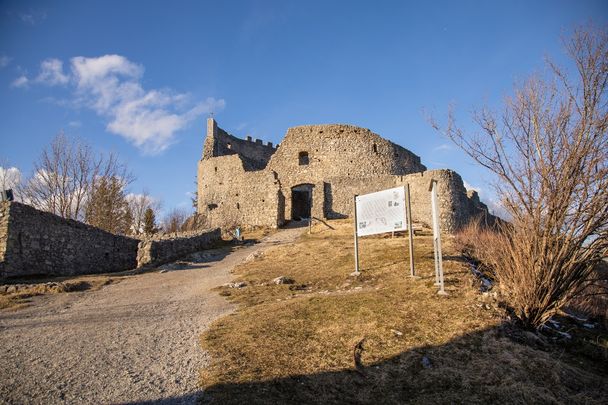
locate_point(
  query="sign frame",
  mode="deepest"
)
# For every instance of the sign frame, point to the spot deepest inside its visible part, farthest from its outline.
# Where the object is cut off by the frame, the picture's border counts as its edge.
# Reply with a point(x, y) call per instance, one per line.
point(400, 197)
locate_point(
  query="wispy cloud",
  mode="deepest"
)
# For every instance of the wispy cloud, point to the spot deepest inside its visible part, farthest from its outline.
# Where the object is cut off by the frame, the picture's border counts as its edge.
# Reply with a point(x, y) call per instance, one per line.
point(32, 17)
point(469, 186)
point(442, 148)
point(111, 86)
point(51, 73)
point(489, 198)
point(10, 177)
point(5, 60)
point(74, 124)
point(20, 82)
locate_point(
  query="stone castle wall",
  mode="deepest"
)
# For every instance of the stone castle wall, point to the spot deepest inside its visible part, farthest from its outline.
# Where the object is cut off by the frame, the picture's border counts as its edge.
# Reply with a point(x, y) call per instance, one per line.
point(231, 196)
point(332, 163)
point(160, 250)
point(455, 207)
point(34, 242)
point(254, 154)
point(339, 151)
point(4, 219)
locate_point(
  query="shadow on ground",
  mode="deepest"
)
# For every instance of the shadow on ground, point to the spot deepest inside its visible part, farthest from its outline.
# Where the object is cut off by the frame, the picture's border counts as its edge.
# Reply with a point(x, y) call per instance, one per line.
point(481, 367)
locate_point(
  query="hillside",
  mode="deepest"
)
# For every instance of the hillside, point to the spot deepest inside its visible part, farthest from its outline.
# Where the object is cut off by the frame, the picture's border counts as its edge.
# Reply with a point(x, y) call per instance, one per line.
point(381, 337)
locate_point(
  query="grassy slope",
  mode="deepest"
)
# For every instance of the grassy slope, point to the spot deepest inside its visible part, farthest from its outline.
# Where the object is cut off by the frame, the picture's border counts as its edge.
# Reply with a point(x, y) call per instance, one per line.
point(294, 344)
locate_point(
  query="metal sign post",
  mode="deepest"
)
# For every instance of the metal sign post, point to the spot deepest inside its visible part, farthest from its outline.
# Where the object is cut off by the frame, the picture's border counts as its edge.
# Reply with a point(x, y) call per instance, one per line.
point(437, 239)
point(408, 213)
point(356, 273)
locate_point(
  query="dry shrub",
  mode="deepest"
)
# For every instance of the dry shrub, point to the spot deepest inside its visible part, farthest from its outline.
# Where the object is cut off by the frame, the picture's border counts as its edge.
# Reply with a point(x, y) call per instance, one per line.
point(593, 300)
point(533, 286)
point(548, 149)
point(481, 244)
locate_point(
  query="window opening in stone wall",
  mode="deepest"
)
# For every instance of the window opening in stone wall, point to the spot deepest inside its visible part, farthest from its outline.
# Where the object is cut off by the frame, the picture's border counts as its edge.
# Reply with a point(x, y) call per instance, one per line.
point(303, 158)
point(229, 145)
point(211, 206)
point(375, 148)
point(238, 206)
point(216, 169)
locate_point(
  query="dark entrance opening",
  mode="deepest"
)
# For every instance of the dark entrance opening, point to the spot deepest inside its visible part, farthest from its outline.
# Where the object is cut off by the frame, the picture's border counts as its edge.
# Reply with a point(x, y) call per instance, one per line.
point(301, 202)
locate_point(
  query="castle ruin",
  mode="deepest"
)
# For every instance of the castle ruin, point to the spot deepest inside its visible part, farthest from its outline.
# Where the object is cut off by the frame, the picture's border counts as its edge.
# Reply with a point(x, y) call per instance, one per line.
point(315, 171)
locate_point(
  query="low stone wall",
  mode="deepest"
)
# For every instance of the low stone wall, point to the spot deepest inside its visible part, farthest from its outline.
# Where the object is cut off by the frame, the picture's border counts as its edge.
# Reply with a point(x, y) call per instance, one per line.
point(159, 250)
point(34, 242)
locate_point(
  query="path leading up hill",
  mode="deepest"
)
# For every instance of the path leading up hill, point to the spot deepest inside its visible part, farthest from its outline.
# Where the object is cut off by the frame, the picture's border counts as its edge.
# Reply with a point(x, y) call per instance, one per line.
point(134, 341)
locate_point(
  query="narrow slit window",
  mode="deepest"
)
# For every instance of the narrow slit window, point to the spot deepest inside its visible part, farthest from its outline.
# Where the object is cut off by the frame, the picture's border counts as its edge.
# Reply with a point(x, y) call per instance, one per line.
point(303, 158)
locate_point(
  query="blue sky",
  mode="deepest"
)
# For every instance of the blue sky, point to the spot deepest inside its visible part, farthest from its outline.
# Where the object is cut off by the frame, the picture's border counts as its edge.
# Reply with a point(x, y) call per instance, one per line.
point(140, 77)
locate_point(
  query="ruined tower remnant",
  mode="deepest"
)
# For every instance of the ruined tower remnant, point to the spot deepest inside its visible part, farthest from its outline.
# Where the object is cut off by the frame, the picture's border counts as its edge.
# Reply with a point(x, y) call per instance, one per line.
point(315, 171)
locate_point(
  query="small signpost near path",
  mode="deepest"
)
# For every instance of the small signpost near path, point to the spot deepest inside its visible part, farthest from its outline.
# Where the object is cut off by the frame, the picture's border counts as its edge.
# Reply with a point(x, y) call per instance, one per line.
point(381, 212)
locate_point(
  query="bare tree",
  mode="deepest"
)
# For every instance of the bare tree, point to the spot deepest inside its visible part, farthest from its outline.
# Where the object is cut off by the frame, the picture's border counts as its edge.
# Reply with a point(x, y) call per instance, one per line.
point(174, 220)
point(549, 151)
point(139, 204)
point(64, 177)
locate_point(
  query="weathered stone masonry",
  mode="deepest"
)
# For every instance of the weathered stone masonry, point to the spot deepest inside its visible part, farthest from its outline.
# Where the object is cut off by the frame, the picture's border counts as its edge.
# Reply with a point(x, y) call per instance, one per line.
point(156, 251)
point(34, 242)
point(316, 170)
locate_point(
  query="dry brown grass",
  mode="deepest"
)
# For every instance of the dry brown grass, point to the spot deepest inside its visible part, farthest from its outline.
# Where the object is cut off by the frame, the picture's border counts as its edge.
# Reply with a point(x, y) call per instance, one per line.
point(23, 297)
point(294, 343)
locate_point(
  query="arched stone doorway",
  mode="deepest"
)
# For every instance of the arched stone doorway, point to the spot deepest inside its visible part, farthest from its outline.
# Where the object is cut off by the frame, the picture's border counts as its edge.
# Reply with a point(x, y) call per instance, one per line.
point(301, 201)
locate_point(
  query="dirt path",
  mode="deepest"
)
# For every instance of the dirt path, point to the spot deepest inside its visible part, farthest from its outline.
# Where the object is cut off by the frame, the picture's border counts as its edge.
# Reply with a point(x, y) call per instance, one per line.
point(134, 341)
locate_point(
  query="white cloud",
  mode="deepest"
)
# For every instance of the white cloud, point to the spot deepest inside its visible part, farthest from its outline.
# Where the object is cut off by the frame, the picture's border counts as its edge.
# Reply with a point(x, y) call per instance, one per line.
point(20, 82)
point(470, 187)
point(5, 60)
point(51, 73)
point(32, 17)
point(10, 178)
point(442, 148)
point(111, 86)
point(494, 205)
point(75, 124)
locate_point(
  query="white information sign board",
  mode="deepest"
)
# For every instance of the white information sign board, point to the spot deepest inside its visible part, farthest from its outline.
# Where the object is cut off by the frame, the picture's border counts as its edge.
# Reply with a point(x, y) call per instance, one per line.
point(383, 211)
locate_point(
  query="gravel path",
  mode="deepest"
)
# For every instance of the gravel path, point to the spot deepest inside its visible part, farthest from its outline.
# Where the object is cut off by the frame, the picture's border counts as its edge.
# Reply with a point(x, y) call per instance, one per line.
point(131, 342)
